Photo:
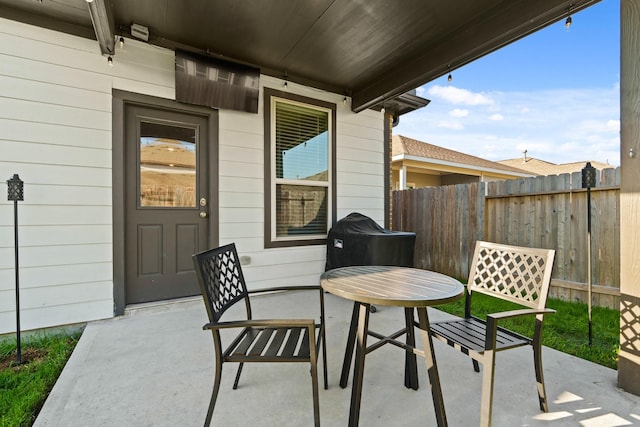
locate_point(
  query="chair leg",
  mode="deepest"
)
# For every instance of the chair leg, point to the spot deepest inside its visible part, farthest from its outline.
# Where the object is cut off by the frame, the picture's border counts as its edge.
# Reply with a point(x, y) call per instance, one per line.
point(488, 365)
point(316, 397)
point(314, 379)
point(214, 392)
point(237, 380)
point(487, 388)
point(537, 362)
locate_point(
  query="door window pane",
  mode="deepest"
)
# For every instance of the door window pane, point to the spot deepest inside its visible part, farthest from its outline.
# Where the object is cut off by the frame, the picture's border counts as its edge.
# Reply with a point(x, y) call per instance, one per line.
point(167, 165)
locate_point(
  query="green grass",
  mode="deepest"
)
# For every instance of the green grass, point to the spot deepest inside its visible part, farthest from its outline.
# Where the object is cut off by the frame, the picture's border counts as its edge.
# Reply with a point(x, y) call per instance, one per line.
point(567, 330)
point(24, 388)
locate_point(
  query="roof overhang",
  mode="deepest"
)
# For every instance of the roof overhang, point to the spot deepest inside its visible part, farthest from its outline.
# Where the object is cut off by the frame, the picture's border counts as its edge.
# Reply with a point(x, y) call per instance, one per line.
point(402, 104)
point(370, 51)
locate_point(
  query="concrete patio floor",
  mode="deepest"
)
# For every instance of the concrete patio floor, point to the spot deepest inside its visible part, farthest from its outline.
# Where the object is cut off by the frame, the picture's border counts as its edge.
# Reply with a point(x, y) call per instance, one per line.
point(154, 367)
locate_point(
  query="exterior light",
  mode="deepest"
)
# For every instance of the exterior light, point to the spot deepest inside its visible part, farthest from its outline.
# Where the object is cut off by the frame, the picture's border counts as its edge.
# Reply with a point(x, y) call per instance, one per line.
point(588, 176)
point(588, 181)
point(15, 193)
point(15, 189)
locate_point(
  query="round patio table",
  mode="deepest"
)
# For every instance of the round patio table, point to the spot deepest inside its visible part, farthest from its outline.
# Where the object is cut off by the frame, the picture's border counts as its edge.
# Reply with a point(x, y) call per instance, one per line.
point(392, 286)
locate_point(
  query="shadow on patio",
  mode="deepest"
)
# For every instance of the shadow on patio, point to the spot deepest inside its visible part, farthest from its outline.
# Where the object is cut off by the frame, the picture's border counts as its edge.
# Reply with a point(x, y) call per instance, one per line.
point(154, 367)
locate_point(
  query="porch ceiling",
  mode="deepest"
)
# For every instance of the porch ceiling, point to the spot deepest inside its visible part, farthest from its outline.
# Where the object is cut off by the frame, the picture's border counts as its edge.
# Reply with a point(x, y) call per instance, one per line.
point(371, 50)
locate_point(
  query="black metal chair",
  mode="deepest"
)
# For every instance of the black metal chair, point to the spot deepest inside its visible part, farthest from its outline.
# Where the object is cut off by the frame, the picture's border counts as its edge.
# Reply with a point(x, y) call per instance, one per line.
point(258, 340)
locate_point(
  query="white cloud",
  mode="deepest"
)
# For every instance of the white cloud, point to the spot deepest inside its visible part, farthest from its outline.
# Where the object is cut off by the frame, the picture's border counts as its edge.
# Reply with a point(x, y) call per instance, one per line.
point(613, 125)
point(448, 124)
point(459, 113)
point(557, 126)
point(459, 96)
point(600, 126)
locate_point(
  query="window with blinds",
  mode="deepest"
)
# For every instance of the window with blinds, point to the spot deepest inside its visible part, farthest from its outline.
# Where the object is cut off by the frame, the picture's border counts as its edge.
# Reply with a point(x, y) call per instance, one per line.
point(301, 145)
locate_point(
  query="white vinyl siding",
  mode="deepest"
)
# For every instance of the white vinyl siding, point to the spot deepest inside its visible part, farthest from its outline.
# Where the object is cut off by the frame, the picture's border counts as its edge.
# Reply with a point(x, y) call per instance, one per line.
point(360, 165)
point(55, 116)
point(55, 121)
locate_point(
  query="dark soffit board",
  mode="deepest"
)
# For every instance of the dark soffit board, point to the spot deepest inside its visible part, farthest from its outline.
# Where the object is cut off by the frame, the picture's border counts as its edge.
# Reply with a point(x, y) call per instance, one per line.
point(371, 50)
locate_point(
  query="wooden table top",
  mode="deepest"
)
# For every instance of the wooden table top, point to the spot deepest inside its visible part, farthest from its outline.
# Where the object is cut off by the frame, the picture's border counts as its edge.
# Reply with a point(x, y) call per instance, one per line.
point(393, 286)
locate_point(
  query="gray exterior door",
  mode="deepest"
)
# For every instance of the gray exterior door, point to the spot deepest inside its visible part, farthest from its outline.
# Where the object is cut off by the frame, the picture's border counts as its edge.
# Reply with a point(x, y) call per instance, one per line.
point(166, 202)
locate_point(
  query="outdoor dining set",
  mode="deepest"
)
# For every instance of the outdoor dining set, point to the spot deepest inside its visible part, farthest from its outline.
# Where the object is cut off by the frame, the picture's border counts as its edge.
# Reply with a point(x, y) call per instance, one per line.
point(517, 274)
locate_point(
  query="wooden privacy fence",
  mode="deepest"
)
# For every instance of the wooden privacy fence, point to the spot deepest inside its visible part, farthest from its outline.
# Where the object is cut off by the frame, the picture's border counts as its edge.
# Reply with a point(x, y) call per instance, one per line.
point(545, 212)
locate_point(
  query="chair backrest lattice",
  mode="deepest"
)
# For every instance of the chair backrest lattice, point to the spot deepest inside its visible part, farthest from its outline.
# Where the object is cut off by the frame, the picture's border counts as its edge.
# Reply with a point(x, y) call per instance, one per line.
point(221, 280)
point(513, 273)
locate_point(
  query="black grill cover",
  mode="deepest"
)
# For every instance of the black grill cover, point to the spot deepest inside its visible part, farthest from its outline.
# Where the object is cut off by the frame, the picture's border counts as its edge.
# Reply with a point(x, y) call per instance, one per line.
point(358, 240)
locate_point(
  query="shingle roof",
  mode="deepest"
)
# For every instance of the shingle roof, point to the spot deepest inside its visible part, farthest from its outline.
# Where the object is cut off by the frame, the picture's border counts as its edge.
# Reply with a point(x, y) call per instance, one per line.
point(542, 167)
point(412, 147)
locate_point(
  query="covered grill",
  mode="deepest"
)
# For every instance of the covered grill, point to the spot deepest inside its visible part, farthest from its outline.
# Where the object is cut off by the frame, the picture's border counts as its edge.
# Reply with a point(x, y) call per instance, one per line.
point(359, 240)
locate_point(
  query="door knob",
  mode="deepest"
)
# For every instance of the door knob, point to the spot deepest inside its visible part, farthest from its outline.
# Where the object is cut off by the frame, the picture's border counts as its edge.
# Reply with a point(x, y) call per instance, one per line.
point(203, 214)
point(203, 202)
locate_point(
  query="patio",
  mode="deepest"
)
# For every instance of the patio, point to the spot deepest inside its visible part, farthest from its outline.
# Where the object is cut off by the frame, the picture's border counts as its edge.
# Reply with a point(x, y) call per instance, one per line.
point(154, 367)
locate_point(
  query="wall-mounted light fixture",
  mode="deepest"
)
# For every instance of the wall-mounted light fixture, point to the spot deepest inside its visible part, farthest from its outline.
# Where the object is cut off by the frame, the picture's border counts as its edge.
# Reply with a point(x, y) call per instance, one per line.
point(140, 32)
point(102, 19)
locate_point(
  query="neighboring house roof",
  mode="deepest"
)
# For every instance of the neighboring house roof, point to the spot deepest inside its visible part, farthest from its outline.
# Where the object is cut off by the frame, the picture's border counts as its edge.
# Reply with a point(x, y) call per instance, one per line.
point(412, 149)
point(541, 167)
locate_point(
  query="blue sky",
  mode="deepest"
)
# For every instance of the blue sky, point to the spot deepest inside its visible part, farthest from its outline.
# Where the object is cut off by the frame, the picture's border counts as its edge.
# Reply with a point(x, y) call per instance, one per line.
point(555, 93)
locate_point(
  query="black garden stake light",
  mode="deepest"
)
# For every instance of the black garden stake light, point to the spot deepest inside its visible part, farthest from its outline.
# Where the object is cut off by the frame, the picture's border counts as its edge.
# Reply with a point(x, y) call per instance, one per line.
point(588, 181)
point(15, 192)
